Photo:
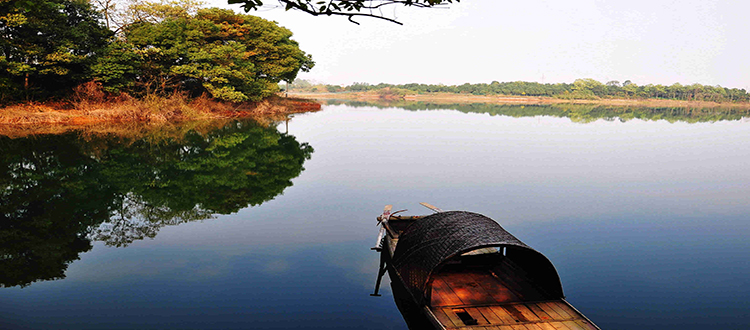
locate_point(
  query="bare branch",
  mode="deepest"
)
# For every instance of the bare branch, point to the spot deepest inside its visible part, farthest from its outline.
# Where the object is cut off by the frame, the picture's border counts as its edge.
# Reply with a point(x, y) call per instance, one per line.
point(347, 8)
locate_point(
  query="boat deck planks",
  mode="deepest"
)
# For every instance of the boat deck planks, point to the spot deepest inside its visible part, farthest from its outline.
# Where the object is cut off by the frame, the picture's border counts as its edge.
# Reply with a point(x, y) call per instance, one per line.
point(491, 284)
point(469, 288)
point(443, 295)
point(567, 325)
point(487, 299)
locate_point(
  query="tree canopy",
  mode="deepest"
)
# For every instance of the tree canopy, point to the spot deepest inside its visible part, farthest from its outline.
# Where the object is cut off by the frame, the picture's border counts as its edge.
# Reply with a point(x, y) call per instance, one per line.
point(49, 46)
point(232, 57)
point(46, 46)
point(348, 8)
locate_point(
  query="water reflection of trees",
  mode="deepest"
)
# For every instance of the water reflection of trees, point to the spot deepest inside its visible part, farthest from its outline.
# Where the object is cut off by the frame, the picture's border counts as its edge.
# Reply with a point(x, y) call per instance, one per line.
point(58, 192)
point(582, 113)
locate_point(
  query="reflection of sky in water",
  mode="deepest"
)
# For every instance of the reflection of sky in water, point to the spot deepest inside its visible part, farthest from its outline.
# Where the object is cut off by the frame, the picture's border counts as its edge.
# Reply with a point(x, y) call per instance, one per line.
point(646, 222)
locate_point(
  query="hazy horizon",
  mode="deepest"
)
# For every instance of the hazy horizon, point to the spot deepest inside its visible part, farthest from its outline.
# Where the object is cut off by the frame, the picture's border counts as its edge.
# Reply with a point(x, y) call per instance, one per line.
point(647, 42)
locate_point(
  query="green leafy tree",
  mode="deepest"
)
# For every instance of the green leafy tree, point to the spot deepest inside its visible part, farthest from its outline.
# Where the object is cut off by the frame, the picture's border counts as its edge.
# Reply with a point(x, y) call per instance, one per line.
point(47, 46)
point(230, 56)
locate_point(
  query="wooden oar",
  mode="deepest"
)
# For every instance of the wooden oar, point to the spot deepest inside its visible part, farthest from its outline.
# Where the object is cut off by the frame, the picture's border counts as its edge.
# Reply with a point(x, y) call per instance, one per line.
point(432, 207)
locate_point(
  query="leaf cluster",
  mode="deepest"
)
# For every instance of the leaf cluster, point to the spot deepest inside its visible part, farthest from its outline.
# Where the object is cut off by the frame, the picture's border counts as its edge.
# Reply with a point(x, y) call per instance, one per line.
point(230, 56)
point(46, 46)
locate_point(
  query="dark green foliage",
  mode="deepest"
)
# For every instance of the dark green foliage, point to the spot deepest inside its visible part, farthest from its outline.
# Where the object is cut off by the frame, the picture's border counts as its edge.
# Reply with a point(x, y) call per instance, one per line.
point(232, 57)
point(47, 46)
point(58, 192)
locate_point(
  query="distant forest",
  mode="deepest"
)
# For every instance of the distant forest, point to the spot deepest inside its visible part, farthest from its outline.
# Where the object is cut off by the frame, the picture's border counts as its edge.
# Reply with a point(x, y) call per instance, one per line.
point(579, 89)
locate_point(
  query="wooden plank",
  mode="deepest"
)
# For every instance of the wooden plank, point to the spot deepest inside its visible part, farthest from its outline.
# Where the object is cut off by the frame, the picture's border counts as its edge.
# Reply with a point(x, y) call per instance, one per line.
point(480, 281)
point(546, 326)
point(480, 251)
point(570, 311)
point(431, 207)
point(552, 312)
point(559, 326)
point(479, 327)
point(526, 312)
point(539, 312)
point(534, 326)
point(513, 311)
point(453, 317)
point(386, 212)
point(433, 319)
point(406, 217)
point(573, 325)
point(586, 325)
point(477, 315)
point(503, 315)
point(467, 290)
point(561, 308)
point(519, 327)
point(490, 316)
point(494, 287)
point(513, 283)
point(444, 319)
point(442, 295)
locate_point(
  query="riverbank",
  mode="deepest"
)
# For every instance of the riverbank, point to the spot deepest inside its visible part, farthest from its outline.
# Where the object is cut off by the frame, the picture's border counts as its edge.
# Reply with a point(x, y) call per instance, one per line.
point(449, 98)
point(150, 110)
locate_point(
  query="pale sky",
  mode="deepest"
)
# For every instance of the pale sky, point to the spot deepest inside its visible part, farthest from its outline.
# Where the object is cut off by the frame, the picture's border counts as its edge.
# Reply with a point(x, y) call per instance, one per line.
point(550, 41)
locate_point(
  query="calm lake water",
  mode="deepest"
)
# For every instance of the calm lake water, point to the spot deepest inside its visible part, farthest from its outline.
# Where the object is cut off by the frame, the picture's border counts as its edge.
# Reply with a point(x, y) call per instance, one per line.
point(240, 226)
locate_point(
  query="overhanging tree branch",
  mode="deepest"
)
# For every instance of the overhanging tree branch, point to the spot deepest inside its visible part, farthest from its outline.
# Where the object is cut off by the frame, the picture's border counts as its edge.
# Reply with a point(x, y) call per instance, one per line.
point(347, 8)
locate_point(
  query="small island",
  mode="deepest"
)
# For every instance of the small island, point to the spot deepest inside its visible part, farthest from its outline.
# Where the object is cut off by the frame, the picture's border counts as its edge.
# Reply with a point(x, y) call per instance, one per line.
point(66, 62)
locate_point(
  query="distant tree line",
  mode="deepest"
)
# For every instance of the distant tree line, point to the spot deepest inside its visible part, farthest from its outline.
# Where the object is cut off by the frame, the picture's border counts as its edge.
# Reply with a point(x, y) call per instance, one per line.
point(579, 89)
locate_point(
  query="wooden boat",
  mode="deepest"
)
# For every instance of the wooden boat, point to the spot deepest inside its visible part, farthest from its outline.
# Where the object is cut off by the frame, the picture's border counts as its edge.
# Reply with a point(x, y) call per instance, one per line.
point(462, 270)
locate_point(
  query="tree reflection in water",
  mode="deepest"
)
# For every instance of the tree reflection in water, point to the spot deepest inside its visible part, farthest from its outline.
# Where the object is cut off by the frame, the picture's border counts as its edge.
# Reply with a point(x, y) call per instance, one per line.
point(579, 113)
point(59, 192)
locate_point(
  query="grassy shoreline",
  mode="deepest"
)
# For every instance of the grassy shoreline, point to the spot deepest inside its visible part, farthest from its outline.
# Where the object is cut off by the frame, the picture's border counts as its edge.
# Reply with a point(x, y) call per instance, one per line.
point(149, 110)
point(519, 100)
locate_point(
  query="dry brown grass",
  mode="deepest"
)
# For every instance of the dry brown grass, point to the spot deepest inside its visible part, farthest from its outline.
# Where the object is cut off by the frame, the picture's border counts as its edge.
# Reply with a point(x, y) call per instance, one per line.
point(94, 110)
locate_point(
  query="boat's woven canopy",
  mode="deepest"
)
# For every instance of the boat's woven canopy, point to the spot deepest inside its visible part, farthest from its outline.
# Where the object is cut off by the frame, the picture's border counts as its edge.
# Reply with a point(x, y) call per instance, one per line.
point(428, 242)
